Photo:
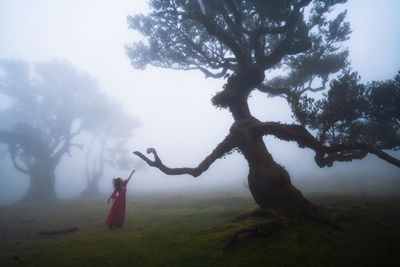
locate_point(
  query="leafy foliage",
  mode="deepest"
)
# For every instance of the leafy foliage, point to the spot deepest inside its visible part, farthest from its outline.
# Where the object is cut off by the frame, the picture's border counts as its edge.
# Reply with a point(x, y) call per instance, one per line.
point(180, 38)
point(351, 112)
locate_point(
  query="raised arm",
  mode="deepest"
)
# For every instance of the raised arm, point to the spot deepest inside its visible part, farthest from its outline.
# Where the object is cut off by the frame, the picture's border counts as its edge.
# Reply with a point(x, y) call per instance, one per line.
point(130, 176)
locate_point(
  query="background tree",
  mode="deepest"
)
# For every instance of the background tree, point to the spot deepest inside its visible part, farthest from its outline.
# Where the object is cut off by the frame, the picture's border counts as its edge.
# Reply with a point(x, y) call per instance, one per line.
point(50, 107)
point(282, 48)
point(110, 133)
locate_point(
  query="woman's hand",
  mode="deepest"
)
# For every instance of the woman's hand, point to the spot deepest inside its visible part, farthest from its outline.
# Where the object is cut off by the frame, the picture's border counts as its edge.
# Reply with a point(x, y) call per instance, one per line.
point(108, 201)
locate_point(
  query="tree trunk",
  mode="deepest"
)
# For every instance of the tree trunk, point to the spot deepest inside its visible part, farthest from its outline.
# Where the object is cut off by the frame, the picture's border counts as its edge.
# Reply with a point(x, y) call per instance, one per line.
point(269, 182)
point(42, 178)
point(92, 189)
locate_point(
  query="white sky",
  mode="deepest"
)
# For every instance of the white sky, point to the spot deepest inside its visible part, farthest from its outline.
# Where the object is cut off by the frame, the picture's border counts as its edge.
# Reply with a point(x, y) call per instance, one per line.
point(173, 106)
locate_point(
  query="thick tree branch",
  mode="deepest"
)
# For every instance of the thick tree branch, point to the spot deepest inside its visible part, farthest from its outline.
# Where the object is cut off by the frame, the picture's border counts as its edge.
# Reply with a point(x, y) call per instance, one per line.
point(215, 30)
point(8, 137)
point(358, 151)
point(325, 155)
point(288, 92)
point(61, 137)
point(275, 91)
point(328, 160)
point(14, 161)
point(258, 44)
point(226, 66)
point(232, 26)
point(223, 148)
point(296, 41)
point(56, 157)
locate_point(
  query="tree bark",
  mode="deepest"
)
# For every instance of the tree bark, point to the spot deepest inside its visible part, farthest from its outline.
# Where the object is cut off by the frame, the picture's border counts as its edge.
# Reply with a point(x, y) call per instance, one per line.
point(269, 183)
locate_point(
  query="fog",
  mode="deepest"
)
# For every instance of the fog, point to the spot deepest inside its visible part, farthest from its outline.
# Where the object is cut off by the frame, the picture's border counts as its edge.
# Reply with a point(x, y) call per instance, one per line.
point(174, 107)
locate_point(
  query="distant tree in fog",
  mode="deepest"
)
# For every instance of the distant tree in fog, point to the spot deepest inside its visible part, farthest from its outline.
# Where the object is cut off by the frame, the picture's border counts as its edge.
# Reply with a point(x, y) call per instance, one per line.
point(283, 49)
point(109, 132)
point(50, 106)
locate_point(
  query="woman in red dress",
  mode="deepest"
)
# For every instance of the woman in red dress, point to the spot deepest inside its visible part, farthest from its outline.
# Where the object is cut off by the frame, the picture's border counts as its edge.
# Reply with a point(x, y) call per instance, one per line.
point(117, 212)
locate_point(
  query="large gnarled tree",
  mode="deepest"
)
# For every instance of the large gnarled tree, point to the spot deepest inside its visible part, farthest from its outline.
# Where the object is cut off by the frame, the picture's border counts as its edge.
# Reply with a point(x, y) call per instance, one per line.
point(243, 41)
point(50, 106)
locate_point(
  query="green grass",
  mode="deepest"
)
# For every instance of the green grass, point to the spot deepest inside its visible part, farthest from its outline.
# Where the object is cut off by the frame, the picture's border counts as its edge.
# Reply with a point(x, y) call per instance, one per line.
point(191, 231)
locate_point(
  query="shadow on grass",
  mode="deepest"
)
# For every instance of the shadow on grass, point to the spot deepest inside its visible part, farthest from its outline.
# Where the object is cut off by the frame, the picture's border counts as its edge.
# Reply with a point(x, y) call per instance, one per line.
point(191, 231)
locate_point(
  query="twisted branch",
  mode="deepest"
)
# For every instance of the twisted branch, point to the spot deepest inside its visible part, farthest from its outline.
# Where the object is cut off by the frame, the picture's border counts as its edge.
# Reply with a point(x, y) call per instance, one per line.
point(325, 155)
point(226, 146)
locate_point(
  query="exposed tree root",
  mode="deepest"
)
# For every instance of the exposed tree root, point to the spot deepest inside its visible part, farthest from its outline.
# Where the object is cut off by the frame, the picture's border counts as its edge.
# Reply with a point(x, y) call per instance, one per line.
point(27, 221)
point(262, 229)
point(276, 221)
point(67, 231)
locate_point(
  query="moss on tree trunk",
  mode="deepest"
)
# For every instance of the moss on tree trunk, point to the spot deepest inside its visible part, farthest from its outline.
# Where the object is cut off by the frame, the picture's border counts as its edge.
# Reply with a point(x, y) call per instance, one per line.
point(269, 182)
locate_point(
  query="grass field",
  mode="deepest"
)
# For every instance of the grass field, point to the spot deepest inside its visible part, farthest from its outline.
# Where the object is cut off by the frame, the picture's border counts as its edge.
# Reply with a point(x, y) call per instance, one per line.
point(192, 230)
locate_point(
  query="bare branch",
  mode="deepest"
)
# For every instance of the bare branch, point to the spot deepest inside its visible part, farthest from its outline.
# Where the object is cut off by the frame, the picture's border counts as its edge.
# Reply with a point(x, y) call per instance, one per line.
point(215, 30)
point(275, 91)
point(288, 92)
point(226, 146)
point(328, 161)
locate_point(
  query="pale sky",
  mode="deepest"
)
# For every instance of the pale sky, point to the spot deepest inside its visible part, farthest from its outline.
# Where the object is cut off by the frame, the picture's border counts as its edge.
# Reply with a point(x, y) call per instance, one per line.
point(174, 106)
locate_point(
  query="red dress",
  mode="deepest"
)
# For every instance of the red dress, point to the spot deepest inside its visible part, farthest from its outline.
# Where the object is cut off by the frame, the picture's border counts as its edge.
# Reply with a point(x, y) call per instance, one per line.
point(117, 212)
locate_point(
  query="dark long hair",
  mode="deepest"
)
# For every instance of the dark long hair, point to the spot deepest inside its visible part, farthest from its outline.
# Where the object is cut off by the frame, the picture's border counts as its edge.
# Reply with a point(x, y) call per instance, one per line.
point(117, 183)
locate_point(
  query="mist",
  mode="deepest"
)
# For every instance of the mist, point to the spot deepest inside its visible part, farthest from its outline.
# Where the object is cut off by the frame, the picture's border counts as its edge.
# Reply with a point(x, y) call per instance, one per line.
point(174, 107)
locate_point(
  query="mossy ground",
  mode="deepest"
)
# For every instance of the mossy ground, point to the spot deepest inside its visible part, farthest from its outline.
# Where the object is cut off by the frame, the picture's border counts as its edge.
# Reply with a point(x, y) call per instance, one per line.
point(191, 231)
